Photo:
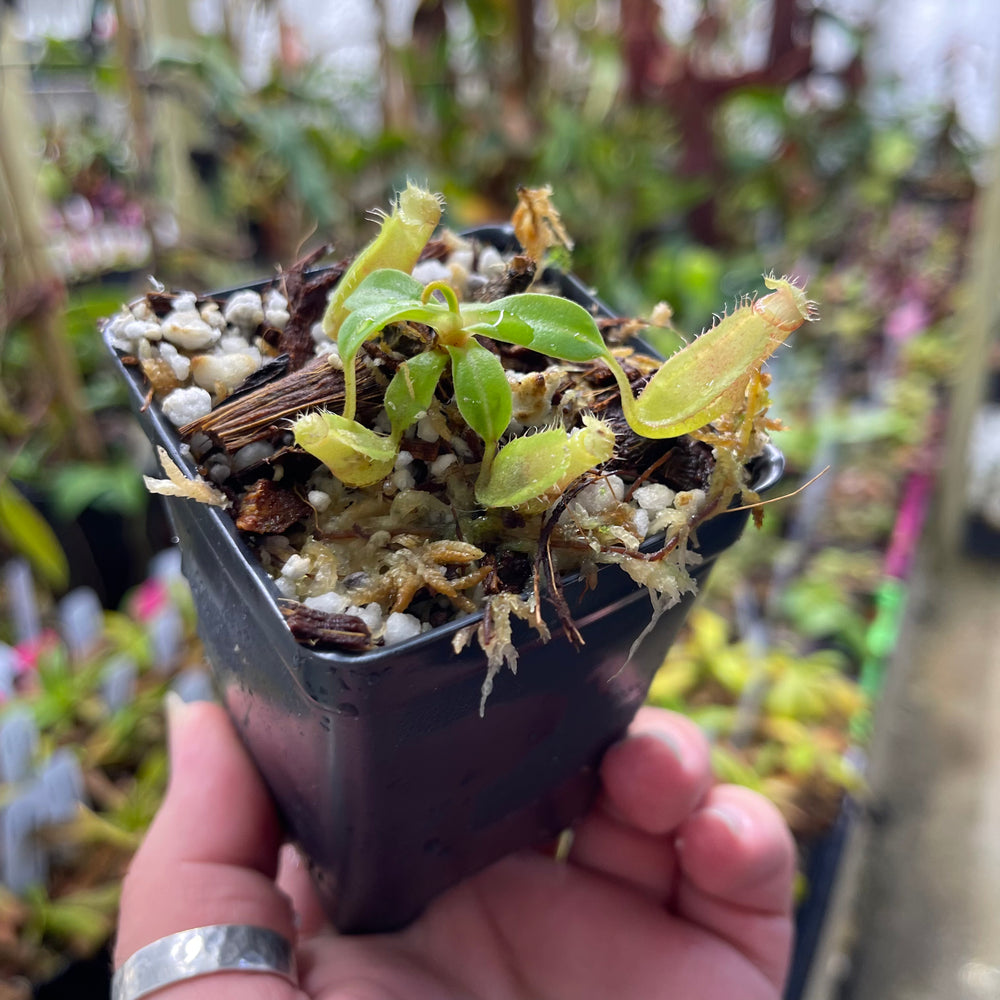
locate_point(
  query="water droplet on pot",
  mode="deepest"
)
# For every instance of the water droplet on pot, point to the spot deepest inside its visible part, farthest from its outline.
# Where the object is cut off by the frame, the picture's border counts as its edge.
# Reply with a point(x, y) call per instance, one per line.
point(349, 709)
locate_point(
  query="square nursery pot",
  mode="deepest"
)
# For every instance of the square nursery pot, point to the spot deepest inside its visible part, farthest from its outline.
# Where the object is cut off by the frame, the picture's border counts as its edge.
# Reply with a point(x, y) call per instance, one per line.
point(379, 762)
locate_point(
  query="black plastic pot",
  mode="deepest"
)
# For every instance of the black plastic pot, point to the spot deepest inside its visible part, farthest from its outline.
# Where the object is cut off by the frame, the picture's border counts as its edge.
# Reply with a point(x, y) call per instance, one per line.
point(379, 762)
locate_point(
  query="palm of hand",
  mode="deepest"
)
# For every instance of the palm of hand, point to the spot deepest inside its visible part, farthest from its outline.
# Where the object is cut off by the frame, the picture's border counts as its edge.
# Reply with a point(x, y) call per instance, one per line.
point(674, 889)
point(685, 897)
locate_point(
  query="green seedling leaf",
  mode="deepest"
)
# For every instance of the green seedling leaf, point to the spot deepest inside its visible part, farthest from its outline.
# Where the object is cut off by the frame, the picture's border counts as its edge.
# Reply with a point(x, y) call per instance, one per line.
point(482, 392)
point(560, 328)
point(384, 286)
point(403, 235)
point(355, 454)
point(591, 445)
point(27, 532)
point(709, 376)
point(498, 325)
point(362, 326)
point(412, 388)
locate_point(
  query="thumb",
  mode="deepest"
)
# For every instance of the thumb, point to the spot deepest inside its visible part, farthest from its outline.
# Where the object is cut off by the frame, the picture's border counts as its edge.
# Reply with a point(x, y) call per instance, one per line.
point(211, 853)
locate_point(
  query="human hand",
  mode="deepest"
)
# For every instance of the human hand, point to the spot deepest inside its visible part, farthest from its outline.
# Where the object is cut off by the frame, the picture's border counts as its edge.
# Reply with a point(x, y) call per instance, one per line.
point(674, 888)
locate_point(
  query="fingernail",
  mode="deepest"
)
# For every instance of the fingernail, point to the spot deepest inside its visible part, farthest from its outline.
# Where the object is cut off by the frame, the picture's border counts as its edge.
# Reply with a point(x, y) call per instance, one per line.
point(669, 739)
point(177, 711)
point(175, 708)
point(733, 818)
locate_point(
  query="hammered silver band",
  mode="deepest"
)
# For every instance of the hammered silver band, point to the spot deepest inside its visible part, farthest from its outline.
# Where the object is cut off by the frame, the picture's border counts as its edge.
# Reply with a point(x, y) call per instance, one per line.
point(203, 951)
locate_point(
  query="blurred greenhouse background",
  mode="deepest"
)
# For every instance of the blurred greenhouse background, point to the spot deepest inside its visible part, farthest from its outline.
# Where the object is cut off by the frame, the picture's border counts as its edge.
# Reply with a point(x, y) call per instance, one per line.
point(691, 145)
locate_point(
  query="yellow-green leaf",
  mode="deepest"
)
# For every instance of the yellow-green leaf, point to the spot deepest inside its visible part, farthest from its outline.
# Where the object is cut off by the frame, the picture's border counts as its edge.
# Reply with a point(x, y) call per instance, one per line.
point(29, 534)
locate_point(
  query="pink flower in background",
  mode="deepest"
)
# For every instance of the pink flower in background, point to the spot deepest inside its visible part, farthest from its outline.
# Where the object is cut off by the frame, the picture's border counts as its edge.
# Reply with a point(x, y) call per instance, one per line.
point(30, 652)
point(908, 319)
point(150, 598)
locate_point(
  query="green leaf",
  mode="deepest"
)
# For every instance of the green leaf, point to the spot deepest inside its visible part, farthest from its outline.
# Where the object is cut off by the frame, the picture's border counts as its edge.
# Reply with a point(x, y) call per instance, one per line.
point(560, 328)
point(412, 388)
point(384, 286)
point(498, 325)
point(482, 392)
point(363, 324)
point(28, 533)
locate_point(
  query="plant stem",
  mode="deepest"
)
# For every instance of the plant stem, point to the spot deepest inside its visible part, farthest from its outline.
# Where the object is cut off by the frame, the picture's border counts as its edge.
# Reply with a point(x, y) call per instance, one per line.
point(446, 290)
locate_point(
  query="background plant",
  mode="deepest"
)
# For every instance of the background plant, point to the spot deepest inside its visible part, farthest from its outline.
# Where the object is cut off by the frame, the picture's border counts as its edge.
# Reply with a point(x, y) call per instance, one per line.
point(82, 759)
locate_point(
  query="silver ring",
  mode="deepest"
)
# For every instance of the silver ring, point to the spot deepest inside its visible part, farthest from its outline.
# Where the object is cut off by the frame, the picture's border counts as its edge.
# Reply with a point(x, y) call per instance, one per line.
point(203, 951)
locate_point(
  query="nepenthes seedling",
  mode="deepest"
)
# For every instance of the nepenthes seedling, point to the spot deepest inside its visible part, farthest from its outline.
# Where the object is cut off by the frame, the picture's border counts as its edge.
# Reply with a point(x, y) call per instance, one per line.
point(710, 376)
point(504, 425)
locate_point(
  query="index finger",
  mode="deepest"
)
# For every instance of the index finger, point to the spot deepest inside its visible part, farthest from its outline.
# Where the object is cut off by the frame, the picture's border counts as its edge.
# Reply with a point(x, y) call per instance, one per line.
point(211, 853)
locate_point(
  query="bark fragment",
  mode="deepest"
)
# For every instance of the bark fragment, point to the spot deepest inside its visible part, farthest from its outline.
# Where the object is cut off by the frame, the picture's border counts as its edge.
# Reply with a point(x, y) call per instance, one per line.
point(263, 412)
point(267, 509)
point(323, 630)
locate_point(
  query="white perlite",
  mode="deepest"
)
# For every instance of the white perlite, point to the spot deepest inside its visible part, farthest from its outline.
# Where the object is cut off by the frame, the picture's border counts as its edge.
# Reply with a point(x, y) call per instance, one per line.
point(180, 365)
point(602, 495)
point(222, 373)
point(655, 496)
point(181, 406)
point(188, 330)
point(370, 614)
point(276, 309)
point(442, 462)
point(399, 627)
point(330, 603)
point(245, 310)
point(296, 567)
point(318, 500)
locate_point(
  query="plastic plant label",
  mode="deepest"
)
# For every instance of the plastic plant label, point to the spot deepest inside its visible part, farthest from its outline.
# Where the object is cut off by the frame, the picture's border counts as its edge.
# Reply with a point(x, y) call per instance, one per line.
point(61, 782)
point(24, 861)
point(166, 565)
point(18, 743)
point(193, 685)
point(81, 619)
point(8, 671)
point(20, 589)
point(119, 682)
point(166, 633)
